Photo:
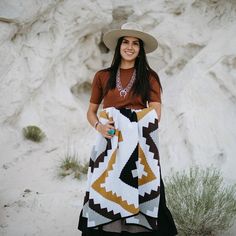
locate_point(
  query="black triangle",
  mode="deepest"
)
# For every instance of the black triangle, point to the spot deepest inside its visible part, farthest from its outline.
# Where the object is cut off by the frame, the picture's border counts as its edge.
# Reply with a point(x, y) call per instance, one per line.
point(126, 174)
point(131, 115)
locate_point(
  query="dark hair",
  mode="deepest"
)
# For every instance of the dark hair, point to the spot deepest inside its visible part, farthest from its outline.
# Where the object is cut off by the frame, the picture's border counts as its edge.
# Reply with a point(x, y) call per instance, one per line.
point(141, 85)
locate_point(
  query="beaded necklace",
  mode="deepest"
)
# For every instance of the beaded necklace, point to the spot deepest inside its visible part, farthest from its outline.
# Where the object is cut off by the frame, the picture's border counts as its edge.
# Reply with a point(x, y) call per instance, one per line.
point(124, 91)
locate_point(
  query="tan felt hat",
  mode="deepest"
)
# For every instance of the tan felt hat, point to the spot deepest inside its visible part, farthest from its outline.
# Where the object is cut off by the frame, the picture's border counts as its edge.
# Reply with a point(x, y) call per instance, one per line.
point(133, 30)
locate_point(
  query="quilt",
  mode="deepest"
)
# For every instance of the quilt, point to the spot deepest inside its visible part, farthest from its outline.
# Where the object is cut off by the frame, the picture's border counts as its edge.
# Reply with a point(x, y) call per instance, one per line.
point(124, 171)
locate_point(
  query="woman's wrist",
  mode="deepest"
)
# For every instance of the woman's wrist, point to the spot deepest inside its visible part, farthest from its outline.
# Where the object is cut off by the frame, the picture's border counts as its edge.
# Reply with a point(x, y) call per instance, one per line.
point(98, 127)
point(96, 124)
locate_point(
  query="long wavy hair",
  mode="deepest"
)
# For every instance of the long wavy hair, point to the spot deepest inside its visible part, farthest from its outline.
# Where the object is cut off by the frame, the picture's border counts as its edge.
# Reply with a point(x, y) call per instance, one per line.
point(141, 85)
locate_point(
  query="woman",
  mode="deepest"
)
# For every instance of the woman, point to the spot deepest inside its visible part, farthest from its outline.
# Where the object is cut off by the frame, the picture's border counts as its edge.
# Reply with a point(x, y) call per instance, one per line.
point(125, 193)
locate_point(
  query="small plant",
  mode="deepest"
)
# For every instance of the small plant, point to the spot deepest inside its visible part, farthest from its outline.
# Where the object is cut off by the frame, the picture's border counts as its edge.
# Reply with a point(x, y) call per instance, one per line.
point(200, 203)
point(33, 133)
point(71, 166)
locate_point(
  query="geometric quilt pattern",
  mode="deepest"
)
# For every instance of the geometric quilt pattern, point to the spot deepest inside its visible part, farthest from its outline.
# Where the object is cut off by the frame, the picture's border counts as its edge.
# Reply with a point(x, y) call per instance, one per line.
point(124, 172)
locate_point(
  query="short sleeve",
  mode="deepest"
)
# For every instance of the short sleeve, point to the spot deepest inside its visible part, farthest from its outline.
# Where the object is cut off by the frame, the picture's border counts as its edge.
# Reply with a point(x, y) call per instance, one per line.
point(155, 93)
point(97, 91)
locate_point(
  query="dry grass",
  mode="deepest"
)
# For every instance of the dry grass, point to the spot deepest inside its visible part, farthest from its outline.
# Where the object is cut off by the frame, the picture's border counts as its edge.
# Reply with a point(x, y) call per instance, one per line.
point(71, 165)
point(33, 133)
point(200, 202)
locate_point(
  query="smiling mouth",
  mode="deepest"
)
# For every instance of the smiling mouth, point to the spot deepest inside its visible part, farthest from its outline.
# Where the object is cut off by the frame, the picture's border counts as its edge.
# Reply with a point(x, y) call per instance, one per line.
point(129, 53)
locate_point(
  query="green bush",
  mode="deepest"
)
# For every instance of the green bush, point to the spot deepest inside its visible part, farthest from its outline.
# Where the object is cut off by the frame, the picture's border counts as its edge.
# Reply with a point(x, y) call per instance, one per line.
point(200, 203)
point(33, 133)
point(71, 166)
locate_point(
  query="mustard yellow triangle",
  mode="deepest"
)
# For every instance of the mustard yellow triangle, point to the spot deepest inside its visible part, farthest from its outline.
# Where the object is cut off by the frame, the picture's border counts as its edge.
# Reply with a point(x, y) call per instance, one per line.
point(143, 112)
point(150, 175)
point(109, 195)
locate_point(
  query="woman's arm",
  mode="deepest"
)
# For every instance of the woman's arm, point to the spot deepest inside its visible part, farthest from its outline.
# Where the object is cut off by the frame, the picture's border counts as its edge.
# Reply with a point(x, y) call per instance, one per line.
point(92, 113)
point(157, 107)
point(93, 119)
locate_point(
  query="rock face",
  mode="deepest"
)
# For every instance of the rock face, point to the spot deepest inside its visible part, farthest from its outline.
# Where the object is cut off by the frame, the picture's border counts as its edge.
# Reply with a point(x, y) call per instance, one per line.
point(51, 49)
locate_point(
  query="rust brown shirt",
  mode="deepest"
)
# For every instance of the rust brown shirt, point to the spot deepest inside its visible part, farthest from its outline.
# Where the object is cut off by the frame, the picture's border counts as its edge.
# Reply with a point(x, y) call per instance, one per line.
point(113, 98)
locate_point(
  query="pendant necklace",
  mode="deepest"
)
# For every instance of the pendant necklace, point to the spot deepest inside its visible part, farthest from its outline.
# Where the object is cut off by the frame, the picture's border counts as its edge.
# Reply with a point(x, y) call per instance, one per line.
point(124, 91)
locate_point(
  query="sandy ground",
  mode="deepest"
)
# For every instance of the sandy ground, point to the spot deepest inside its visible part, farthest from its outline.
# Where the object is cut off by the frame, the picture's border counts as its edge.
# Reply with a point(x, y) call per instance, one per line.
point(33, 200)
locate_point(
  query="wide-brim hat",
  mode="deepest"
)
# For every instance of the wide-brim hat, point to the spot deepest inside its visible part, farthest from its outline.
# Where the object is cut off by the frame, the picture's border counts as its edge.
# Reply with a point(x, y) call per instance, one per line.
point(133, 30)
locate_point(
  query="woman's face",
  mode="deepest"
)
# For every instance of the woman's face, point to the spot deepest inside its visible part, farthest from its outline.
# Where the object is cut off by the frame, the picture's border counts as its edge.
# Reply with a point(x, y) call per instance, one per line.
point(129, 49)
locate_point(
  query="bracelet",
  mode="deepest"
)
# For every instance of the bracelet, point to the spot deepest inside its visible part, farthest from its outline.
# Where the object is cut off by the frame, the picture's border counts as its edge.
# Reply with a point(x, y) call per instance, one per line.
point(95, 125)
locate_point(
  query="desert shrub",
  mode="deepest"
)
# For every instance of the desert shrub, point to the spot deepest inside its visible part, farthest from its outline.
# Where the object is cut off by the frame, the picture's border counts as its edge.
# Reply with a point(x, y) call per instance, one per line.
point(200, 202)
point(33, 133)
point(70, 165)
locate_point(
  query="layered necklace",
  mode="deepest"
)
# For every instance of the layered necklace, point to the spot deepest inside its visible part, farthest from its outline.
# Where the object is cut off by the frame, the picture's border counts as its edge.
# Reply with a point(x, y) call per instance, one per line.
point(124, 91)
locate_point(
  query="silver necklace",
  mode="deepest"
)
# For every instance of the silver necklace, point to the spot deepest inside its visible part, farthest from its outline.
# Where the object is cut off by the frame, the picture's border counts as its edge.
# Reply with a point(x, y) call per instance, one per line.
point(124, 91)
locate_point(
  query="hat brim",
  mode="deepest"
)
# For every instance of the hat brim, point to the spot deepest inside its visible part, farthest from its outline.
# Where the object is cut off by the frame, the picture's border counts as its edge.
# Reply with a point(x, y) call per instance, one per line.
point(110, 39)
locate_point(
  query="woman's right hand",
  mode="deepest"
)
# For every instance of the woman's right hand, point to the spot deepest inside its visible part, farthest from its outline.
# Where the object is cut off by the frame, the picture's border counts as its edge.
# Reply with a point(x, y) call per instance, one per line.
point(104, 128)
